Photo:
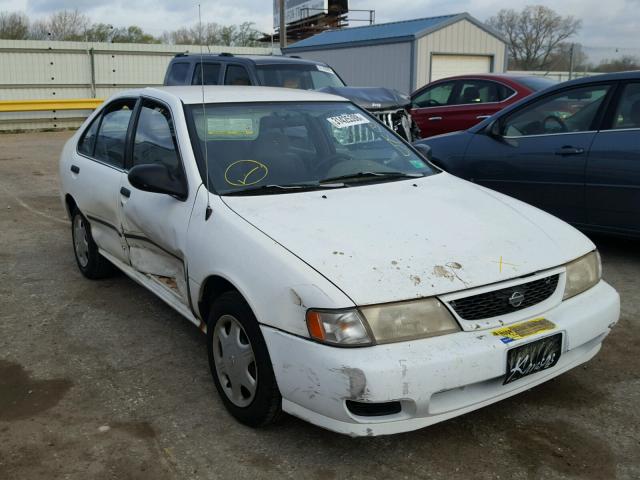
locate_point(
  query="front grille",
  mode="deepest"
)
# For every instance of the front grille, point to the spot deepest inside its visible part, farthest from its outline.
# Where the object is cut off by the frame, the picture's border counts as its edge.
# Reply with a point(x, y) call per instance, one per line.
point(505, 300)
point(397, 120)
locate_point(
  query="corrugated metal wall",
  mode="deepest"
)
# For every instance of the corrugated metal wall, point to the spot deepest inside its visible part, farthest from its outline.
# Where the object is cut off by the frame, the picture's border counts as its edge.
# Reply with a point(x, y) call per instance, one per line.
point(52, 70)
point(462, 37)
point(387, 65)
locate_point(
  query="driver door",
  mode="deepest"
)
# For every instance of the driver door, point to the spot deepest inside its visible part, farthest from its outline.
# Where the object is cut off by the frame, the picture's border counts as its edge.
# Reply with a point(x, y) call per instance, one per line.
point(432, 108)
point(540, 154)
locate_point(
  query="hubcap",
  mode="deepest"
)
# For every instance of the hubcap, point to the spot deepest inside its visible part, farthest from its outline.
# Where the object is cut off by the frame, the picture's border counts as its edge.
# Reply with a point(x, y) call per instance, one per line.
point(234, 360)
point(80, 241)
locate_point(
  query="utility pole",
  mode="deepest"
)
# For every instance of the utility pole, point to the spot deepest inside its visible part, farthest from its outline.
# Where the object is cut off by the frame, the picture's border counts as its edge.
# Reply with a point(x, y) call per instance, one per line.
point(283, 26)
point(571, 57)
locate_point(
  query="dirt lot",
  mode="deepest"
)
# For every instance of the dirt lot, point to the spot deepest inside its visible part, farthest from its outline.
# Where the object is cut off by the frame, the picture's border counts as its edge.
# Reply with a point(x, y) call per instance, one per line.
point(102, 380)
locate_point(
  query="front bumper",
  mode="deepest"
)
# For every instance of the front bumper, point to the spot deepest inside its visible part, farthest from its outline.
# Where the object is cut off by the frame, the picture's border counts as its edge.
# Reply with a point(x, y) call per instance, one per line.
point(434, 379)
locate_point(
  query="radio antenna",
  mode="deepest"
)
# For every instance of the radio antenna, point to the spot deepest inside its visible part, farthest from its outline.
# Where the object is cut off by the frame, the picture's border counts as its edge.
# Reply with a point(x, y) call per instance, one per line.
point(207, 212)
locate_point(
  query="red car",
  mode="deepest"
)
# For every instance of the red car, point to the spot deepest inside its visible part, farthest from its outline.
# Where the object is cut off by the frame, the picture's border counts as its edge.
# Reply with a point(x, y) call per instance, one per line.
point(458, 103)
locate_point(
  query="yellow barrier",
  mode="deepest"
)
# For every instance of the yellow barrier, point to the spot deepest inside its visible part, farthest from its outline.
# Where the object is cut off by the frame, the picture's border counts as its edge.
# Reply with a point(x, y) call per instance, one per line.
point(43, 105)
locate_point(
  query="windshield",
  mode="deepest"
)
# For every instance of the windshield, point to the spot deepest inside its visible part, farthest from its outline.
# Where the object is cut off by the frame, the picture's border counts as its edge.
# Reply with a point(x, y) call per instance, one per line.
point(305, 77)
point(297, 145)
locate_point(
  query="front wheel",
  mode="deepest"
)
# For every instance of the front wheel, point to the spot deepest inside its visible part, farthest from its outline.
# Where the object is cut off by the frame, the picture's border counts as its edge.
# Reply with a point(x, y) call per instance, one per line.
point(240, 363)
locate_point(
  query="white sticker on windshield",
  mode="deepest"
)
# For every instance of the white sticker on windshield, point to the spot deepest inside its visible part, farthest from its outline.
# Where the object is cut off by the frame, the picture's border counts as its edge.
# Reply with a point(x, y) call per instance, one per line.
point(324, 69)
point(348, 120)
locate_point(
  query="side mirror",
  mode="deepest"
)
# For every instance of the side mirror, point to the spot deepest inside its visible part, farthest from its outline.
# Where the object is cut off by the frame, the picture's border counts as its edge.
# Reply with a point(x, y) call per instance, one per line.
point(156, 178)
point(494, 129)
point(425, 150)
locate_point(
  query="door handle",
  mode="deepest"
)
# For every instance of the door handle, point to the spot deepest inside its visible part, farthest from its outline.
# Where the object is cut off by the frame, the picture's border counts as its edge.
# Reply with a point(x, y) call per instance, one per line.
point(125, 192)
point(482, 117)
point(569, 150)
point(75, 169)
point(434, 119)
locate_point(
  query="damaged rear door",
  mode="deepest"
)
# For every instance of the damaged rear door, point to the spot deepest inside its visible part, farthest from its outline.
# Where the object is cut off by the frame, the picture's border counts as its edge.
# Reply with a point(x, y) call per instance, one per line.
point(155, 224)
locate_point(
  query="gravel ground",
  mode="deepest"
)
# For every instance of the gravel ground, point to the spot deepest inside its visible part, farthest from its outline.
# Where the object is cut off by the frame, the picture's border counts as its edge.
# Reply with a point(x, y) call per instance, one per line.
point(103, 380)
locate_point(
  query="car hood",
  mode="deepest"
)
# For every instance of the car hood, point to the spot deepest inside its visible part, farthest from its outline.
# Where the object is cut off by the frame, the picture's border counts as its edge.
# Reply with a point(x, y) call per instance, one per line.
point(371, 98)
point(416, 238)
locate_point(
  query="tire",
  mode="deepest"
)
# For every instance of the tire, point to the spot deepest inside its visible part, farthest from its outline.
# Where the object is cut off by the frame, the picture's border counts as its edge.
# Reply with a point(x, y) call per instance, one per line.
point(90, 262)
point(237, 354)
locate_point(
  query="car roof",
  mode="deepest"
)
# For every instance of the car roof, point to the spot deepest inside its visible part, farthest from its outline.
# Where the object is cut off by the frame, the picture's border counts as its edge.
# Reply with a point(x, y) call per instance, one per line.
point(490, 76)
point(255, 59)
point(192, 94)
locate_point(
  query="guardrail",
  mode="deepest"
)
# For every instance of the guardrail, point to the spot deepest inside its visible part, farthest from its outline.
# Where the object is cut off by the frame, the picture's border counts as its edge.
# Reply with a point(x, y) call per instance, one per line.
point(48, 105)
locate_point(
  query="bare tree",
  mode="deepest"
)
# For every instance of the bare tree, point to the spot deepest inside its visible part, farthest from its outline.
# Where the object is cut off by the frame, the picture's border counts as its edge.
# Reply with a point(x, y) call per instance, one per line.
point(62, 25)
point(560, 59)
point(622, 64)
point(242, 35)
point(14, 26)
point(534, 34)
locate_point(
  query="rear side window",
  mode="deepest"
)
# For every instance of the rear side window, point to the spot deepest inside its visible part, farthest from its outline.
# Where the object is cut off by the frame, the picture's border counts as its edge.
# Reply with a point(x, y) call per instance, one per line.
point(481, 91)
point(211, 74)
point(88, 140)
point(178, 73)
point(628, 111)
point(236, 75)
point(110, 142)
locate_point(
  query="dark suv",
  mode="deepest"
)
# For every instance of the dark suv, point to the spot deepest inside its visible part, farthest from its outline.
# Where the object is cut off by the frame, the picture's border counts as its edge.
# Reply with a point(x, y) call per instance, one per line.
point(390, 106)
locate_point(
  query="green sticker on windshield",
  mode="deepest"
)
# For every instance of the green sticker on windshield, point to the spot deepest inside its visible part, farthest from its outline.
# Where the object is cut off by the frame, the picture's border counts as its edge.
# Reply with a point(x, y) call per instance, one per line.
point(416, 163)
point(232, 128)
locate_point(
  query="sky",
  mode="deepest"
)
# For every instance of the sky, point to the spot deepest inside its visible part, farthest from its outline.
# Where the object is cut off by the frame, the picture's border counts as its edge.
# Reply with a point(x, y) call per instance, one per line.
point(615, 26)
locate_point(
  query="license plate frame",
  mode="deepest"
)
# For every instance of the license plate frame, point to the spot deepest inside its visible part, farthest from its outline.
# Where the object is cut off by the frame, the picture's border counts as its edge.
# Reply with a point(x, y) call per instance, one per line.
point(533, 357)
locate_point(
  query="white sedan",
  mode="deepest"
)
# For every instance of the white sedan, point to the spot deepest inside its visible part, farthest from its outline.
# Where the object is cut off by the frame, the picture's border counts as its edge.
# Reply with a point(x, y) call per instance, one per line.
point(338, 275)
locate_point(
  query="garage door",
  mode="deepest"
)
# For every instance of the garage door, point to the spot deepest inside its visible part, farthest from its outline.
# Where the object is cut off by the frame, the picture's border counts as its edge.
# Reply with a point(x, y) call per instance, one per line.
point(443, 66)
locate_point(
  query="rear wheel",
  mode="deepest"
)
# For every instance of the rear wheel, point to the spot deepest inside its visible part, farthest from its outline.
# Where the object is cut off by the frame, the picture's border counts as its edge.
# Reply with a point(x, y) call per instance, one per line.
point(90, 262)
point(240, 363)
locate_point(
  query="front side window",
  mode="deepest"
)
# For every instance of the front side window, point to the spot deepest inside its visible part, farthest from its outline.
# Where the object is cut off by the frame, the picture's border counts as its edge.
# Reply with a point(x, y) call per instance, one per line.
point(236, 75)
point(565, 112)
point(211, 74)
point(110, 142)
point(291, 145)
point(154, 140)
point(628, 112)
point(435, 96)
point(481, 91)
point(305, 77)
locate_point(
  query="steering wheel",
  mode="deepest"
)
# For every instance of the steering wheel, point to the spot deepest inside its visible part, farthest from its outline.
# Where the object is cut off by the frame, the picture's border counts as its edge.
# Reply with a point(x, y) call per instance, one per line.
point(556, 119)
point(322, 167)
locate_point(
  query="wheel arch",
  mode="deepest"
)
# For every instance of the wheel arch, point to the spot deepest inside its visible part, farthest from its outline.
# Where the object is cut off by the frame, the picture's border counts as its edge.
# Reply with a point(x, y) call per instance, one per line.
point(70, 204)
point(211, 289)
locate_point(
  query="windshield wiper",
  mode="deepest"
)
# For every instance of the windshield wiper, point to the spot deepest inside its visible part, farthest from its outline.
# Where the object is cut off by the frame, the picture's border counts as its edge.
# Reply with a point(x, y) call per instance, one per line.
point(295, 187)
point(359, 175)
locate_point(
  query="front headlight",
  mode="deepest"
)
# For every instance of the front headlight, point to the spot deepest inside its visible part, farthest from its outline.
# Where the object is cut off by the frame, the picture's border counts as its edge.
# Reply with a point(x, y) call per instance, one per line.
point(582, 274)
point(396, 322)
point(338, 327)
point(392, 322)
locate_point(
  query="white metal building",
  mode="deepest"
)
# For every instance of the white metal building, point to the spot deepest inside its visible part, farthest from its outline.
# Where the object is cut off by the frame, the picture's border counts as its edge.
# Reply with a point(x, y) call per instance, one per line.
point(408, 54)
point(50, 70)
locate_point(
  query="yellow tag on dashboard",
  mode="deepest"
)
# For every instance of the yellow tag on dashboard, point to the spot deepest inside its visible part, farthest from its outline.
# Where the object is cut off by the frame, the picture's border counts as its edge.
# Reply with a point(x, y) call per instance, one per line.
point(523, 330)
